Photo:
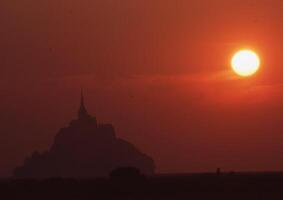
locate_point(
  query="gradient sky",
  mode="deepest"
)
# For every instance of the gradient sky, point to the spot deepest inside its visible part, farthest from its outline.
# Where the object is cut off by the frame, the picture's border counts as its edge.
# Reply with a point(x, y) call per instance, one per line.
point(157, 69)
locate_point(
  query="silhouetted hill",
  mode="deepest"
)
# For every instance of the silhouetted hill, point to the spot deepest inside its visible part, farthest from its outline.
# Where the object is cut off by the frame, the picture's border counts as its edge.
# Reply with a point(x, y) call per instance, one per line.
point(85, 149)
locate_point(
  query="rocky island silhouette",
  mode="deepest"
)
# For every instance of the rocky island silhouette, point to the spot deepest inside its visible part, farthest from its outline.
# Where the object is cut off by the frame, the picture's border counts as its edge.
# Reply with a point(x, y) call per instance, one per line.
point(85, 149)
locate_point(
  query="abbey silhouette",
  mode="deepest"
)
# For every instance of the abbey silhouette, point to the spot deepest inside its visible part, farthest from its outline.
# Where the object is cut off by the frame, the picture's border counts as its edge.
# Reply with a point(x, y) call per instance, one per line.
point(85, 149)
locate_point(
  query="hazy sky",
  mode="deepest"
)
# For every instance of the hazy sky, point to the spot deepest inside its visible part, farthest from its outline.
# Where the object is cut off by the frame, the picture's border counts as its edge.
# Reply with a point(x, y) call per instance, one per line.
point(157, 69)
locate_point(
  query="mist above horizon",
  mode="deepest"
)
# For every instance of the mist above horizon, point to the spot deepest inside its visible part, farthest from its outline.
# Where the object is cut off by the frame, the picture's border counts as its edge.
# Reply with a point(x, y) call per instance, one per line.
point(158, 70)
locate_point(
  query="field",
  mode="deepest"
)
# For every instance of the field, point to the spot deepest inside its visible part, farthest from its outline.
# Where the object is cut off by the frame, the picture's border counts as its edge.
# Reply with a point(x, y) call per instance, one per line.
point(175, 186)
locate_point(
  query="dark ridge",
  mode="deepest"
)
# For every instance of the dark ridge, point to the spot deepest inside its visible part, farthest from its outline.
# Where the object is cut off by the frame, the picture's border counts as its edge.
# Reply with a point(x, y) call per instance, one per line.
point(85, 149)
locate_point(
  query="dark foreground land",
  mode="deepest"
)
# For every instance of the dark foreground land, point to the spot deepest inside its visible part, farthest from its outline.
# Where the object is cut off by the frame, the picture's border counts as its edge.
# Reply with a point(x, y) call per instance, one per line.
point(267, 186)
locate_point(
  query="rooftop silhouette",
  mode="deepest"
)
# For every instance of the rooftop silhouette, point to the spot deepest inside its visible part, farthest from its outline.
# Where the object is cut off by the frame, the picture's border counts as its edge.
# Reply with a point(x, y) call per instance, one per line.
point(85, 149)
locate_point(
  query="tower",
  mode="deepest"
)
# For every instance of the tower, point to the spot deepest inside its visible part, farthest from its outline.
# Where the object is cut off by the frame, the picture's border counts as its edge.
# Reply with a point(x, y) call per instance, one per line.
point(82, 113)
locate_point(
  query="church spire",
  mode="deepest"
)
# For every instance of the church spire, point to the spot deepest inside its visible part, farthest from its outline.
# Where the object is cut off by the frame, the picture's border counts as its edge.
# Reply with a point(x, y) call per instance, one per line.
point(82, 111)
point(82, 98)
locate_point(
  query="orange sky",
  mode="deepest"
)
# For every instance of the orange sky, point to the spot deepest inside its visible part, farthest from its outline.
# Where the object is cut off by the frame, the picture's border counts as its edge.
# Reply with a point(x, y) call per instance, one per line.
point(157, 69)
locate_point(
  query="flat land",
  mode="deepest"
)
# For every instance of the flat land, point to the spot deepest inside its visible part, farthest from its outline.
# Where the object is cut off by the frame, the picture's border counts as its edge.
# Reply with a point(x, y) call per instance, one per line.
point(228, 186)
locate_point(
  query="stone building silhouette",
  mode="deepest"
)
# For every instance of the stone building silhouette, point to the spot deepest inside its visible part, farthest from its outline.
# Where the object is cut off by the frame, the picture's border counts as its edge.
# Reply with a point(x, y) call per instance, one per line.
point(85, 149)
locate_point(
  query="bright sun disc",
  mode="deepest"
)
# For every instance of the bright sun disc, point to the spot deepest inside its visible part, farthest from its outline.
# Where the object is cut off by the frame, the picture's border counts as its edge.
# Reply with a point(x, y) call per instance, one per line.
point(245, 63)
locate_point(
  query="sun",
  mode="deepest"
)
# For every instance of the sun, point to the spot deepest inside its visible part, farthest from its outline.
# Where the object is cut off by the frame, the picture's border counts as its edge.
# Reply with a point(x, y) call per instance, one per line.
point(245, 63)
